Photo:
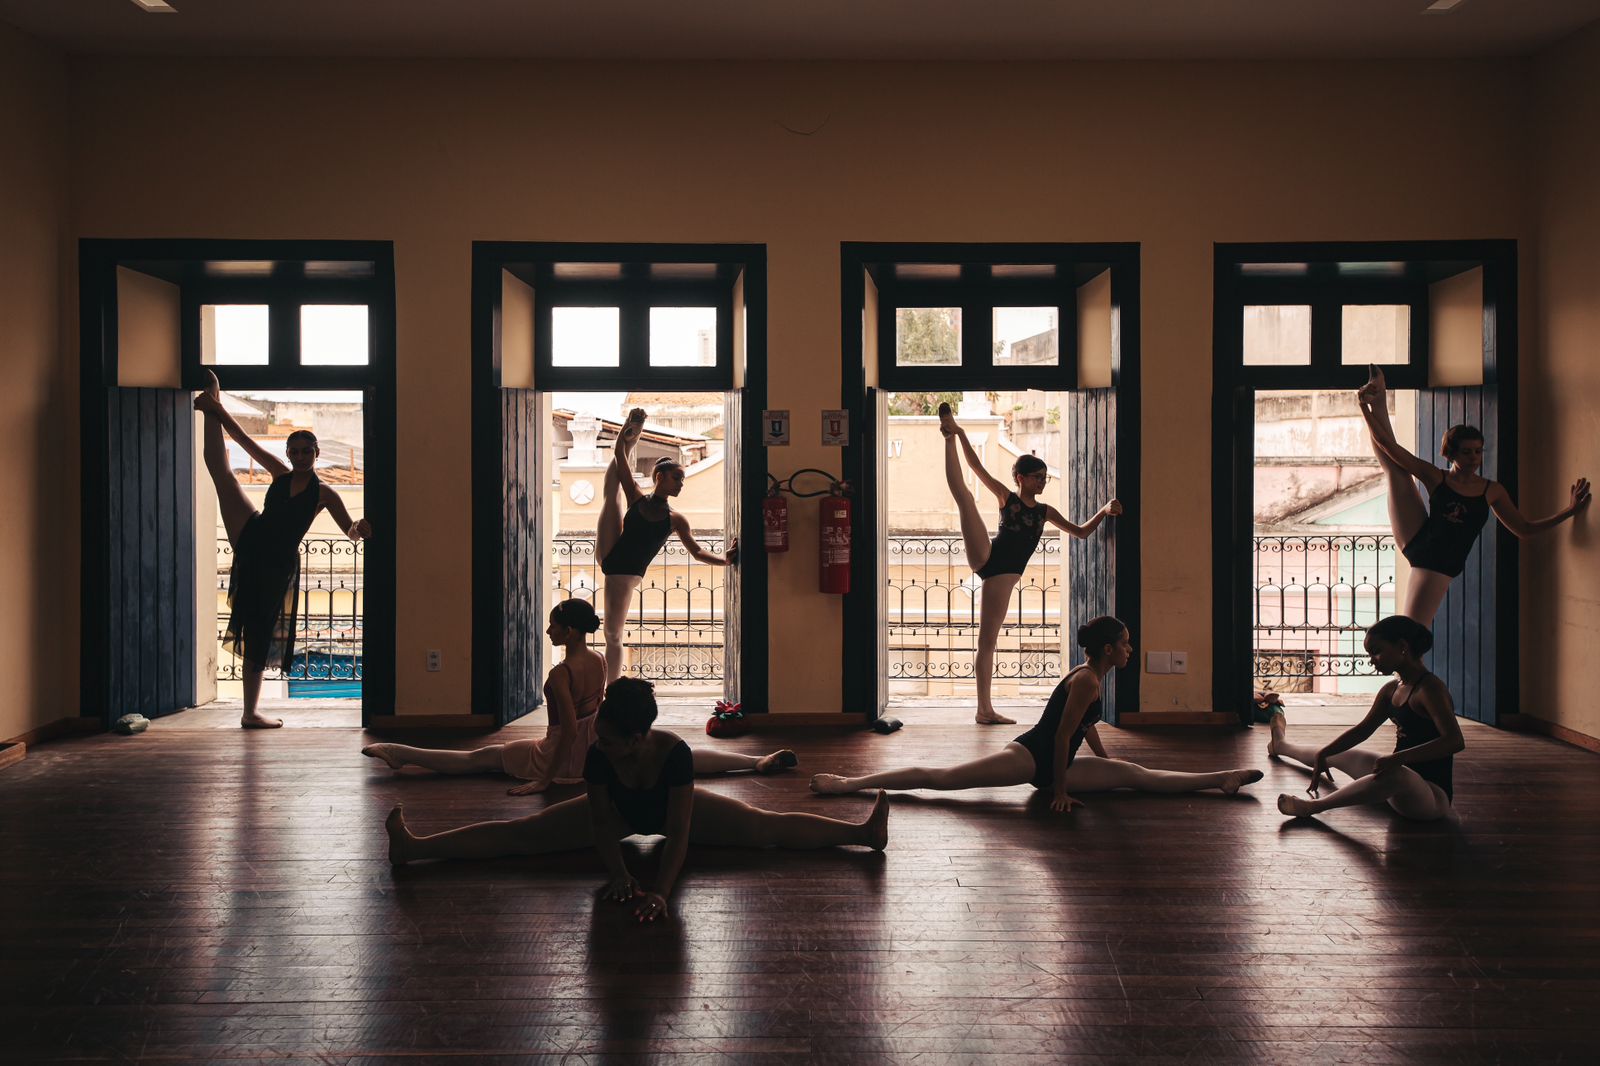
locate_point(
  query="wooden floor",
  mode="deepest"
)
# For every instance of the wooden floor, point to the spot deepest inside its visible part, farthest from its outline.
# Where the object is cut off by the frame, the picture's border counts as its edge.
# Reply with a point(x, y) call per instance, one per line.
point(204, 895)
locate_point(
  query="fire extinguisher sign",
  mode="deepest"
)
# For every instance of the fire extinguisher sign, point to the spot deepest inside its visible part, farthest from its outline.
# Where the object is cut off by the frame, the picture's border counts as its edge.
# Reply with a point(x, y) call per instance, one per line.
point(835, 429)
point(774, 428)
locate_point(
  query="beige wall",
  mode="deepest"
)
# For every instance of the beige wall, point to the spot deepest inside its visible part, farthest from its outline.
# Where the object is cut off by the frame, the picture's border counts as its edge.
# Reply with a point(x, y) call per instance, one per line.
point(38, 403)
point(435, 154)
point(1560, 401)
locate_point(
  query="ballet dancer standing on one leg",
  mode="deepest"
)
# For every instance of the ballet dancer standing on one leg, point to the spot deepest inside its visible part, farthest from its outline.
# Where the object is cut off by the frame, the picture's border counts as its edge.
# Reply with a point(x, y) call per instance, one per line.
point(264, 585)
point(1046, 756)
point(641, 781)
point(1436, 538)
point(1416, 778)
point(1001, 563)
point(626, 543)
point(573, 691)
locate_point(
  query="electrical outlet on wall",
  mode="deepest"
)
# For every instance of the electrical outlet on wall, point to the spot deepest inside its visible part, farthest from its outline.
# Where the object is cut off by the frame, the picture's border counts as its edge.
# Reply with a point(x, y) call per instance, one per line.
point(1158, 662)
point(1180, 662)
point(435, 660)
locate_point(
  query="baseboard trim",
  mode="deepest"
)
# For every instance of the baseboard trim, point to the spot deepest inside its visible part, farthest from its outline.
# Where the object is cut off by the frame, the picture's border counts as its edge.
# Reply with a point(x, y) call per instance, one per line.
point(61, 728)
point(1189, 719)
point(388, 722)
point(12, 752)
point(1527, 723)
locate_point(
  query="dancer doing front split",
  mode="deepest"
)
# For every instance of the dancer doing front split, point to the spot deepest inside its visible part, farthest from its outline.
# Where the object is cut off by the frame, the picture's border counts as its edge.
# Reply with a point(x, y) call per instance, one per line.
point(627, 542)
point(641, 781)
point(1436, 538)
point(573, 691)
point(1046, 756)
point(1416, 779)
point(264, 584)
point(1000, 563)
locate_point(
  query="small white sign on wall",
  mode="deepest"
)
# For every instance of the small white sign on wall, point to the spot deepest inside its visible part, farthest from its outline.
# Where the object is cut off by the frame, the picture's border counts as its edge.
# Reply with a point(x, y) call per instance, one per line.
point(835, 428)
point(774, 428)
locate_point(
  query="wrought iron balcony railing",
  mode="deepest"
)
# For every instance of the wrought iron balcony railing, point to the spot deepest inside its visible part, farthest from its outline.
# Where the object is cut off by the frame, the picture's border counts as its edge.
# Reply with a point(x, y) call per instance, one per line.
point(328, 625)
point(1313, 599)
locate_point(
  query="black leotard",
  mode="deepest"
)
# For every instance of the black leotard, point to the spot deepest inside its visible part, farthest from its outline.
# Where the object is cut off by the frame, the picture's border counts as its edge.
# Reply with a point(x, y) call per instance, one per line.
point(1446, 538)
point(642, 537)
point(643, 810)
point(263, 585)
point(1041, 739)
point(1012, 547)
point(1412, 728)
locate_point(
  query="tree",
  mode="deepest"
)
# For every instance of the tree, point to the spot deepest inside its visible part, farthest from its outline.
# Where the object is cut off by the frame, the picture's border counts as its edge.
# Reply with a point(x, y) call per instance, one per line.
point(920, 403)
point(926, 335)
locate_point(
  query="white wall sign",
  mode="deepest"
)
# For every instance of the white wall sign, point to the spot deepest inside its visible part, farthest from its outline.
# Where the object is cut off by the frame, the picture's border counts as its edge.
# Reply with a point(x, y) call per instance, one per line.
point(835, 428)
point(774, 428)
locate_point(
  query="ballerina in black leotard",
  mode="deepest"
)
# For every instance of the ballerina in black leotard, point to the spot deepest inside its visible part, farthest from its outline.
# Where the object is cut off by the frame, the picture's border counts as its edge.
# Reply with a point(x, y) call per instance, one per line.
point(1046, 756)
point(626, 543)
point(641, 781)
point(264, 586)
point(1001, 563)
point(1417, 778)
point(1437, 538)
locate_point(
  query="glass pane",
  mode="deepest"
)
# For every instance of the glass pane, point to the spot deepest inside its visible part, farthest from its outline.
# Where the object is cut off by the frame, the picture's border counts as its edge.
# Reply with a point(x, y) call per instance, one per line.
point(233, 334)
point(333, 335)
point(585, 336)
point(927, 336)
point(1277, 335)
point(683, 336)
point(1026, 336)
point(1376, 333)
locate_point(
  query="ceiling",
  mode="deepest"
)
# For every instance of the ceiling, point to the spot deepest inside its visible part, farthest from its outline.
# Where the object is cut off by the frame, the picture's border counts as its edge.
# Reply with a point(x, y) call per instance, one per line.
point(995, 30)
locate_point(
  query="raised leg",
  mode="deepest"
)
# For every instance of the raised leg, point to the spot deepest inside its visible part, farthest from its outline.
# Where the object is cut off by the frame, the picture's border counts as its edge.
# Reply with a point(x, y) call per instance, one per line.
point(232, 504)
point(1012, 765)
point(1089, 773)
point(613, 497)
point(251, 683)
point(1407, 512)
point(716, 761)
point(725, 822)
point(486, 760)
point(619, 597)
point(994, 602)
point(563, 826)
point(974, 531)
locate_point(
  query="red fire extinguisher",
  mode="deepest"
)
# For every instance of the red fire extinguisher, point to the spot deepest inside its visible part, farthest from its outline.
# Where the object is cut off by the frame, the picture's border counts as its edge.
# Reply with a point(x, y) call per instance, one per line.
point(775, 523)
point(834, 543)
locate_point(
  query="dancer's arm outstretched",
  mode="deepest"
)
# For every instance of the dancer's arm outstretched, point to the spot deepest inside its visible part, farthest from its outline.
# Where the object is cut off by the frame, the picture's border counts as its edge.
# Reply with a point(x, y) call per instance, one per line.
point(1513, 519)
point(1083, 690)
point(680, 526)
point(1110, 510)
point(355, 530)
point(1435, 699)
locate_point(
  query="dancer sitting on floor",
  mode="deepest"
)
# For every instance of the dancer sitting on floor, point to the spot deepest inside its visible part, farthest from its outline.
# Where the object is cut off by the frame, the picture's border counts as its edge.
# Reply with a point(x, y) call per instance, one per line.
point(1414, 779)
point(641, 781)
point(1046, 756)
point(1000, 563)
point(264, 583)
point(572, 691)
point(1436, 538)
point(626, 543)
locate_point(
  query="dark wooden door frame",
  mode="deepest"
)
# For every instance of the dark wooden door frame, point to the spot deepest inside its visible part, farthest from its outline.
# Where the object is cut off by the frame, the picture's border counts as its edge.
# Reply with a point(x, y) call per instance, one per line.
point(1416, 264)
point(860, 639)
point(528, 260)
point(284, 280)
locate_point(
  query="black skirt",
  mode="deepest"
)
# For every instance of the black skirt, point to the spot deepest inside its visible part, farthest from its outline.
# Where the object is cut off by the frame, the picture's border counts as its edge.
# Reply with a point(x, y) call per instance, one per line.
point(263, 599)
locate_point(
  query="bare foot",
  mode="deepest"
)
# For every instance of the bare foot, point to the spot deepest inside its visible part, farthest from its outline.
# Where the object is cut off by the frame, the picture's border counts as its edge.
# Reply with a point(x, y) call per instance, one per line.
point(399, 835)
point(1278, 724)
point(830, 784)
point(255, 721)
point(384, 752)
point(993, 718)
point(876, 827)
point(1238, 779)
point(209, 399)
point(1295, 806)
point(778, 761)
point(947, 421)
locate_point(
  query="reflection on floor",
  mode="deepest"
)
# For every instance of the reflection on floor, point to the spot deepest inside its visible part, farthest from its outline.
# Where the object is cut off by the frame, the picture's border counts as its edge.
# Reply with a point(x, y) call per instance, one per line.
point(199, 894)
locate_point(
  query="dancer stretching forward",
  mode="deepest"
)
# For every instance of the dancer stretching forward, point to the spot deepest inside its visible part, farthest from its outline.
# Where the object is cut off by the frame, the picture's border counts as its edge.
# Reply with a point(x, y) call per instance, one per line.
point(1437, 538)
point(1001, 563)
point(641, 781)
point(1046, 756)
point(627, 543)
point(264, 583)
point(1415, 779)
point(573, 690)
